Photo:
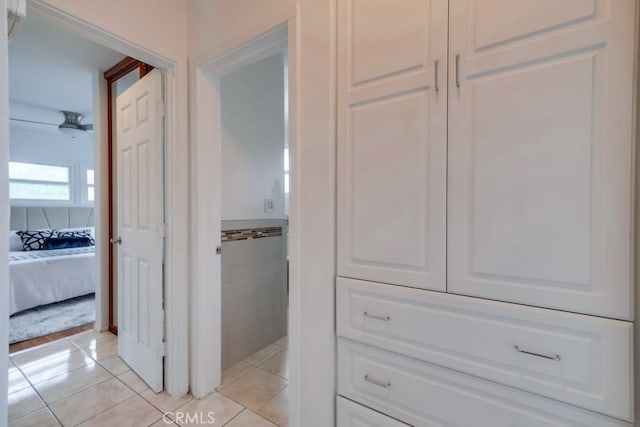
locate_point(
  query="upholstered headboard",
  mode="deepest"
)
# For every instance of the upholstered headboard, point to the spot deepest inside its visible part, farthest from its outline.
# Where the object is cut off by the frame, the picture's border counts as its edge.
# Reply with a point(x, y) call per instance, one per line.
point(25, 218)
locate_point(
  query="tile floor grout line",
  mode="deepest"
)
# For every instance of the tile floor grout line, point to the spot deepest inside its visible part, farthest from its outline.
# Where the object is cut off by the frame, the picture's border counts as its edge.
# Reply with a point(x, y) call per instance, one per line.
point(262, 406)
point(110, 408)
point(76, 393)
point(160, 409)
point(46, 405)
point(235, 416)
point(57, 376)
point(273, 373)
point(266, 403)
point(251, 368)
point(99, 413)
point(93, 360)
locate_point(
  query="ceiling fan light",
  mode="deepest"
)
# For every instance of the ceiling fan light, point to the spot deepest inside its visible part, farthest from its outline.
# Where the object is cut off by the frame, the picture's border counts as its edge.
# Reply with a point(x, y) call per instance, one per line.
point(72, 131)
point(71, 125)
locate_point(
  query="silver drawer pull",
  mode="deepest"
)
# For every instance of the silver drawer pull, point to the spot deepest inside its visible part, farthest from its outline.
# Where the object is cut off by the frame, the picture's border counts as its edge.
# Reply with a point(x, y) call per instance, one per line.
point(545, 356)
point(373, 316)
point(383, 384)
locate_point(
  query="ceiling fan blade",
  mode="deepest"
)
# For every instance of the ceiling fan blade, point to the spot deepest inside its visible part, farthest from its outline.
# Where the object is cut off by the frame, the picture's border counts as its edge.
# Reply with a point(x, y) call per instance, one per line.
point(88, 126)
point(32, 121)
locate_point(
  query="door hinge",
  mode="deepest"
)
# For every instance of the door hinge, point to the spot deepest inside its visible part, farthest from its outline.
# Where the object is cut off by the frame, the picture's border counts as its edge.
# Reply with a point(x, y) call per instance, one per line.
point(161, 109)
point(162, 349)
point(162, 229)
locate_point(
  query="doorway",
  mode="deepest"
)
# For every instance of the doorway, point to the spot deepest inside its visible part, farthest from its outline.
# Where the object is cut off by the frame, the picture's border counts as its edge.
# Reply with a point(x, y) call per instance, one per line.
point(254, 265)
point(52, 180)
point(176, 372)
point(208, 203)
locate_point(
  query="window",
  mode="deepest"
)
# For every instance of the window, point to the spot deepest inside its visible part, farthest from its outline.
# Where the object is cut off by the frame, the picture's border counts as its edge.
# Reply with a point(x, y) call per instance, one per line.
point(32, 181)
point(90, 185)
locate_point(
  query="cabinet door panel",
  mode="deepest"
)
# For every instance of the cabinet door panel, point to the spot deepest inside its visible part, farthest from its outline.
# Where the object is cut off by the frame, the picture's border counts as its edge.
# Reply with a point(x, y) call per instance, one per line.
point(540, 153)
point(392, 141)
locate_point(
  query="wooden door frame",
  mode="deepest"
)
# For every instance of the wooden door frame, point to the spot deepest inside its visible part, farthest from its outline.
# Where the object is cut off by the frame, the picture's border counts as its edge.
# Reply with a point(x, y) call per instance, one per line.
point(112, 75)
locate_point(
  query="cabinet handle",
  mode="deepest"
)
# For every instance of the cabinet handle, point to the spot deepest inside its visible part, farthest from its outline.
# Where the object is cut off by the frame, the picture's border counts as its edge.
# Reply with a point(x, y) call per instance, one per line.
point(379, 383)
point(436, 72)
point(555, 357)
point(373, 316)
point(458, 70)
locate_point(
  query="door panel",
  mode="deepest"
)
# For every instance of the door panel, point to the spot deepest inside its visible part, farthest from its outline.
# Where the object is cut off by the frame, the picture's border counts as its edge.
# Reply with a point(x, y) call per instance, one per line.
point(526, 19)
point(540, 153)
point(373, 52)
point(140, 225)
point(392, 141)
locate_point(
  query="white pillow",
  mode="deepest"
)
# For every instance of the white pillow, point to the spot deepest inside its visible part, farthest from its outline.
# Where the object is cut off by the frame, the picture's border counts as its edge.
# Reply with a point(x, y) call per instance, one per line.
point(15, 242)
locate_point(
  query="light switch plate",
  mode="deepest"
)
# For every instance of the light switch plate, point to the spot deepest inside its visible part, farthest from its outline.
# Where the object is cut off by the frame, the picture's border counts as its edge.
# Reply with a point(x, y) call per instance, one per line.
point(269, 205)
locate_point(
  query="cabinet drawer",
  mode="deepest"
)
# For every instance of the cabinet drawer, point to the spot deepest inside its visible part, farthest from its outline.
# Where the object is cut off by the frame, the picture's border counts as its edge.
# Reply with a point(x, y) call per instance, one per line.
point(422, 394)
point(351, 414)
point(582, 360)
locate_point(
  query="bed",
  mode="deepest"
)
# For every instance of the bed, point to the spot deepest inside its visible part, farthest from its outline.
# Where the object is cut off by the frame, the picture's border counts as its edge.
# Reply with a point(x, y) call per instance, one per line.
point(38, 277)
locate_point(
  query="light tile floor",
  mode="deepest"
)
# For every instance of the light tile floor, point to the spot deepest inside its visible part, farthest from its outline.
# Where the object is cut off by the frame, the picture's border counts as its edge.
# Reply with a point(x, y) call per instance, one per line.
point(80, 380)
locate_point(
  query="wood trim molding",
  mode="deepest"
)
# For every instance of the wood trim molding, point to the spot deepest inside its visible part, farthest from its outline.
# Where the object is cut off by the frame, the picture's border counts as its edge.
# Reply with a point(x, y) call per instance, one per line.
point(121, 69)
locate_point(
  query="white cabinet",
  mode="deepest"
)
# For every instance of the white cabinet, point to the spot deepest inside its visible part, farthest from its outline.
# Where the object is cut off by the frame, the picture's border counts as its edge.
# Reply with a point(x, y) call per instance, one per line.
point(539, 149)
point(485, 151)
point(540, 153)
point(392, 141)
point(585, 361)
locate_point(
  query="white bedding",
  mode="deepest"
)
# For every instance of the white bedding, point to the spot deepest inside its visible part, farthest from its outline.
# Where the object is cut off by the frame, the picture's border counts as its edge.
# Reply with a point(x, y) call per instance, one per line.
point(44, 277)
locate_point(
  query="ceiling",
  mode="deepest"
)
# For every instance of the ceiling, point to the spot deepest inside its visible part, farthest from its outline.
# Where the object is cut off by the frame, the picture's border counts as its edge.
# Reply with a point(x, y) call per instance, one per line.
point(51, 69)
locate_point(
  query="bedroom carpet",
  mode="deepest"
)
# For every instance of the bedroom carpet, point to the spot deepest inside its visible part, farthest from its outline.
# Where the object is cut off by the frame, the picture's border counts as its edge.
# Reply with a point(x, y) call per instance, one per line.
point(50, 318)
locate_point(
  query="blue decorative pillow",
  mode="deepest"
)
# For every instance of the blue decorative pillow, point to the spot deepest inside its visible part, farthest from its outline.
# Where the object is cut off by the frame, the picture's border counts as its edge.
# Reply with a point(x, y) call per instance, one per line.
point(34, 240)
point(66, 242)
point(78, 233)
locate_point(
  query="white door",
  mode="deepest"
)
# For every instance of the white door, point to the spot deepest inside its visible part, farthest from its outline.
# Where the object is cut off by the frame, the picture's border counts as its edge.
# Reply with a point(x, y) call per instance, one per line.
point(140, 228)
point(540, 153)
point(392, 146)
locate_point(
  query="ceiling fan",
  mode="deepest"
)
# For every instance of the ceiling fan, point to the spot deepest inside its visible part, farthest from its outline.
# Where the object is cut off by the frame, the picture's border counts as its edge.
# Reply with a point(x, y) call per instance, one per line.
point(71, 125)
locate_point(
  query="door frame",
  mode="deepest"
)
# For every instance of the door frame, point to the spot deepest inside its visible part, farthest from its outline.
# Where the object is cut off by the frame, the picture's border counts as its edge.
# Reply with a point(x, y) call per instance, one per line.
point(4, 213)
point(176, 327)
point(112, 75)
point(206, 214)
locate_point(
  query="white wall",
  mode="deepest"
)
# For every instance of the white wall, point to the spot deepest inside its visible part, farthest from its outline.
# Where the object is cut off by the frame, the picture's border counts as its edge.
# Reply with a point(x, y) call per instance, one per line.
point(253, 140)
point(137, 25)
point(32, 144)
point(636, 271)
point(4, 214)
point(215, 26)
